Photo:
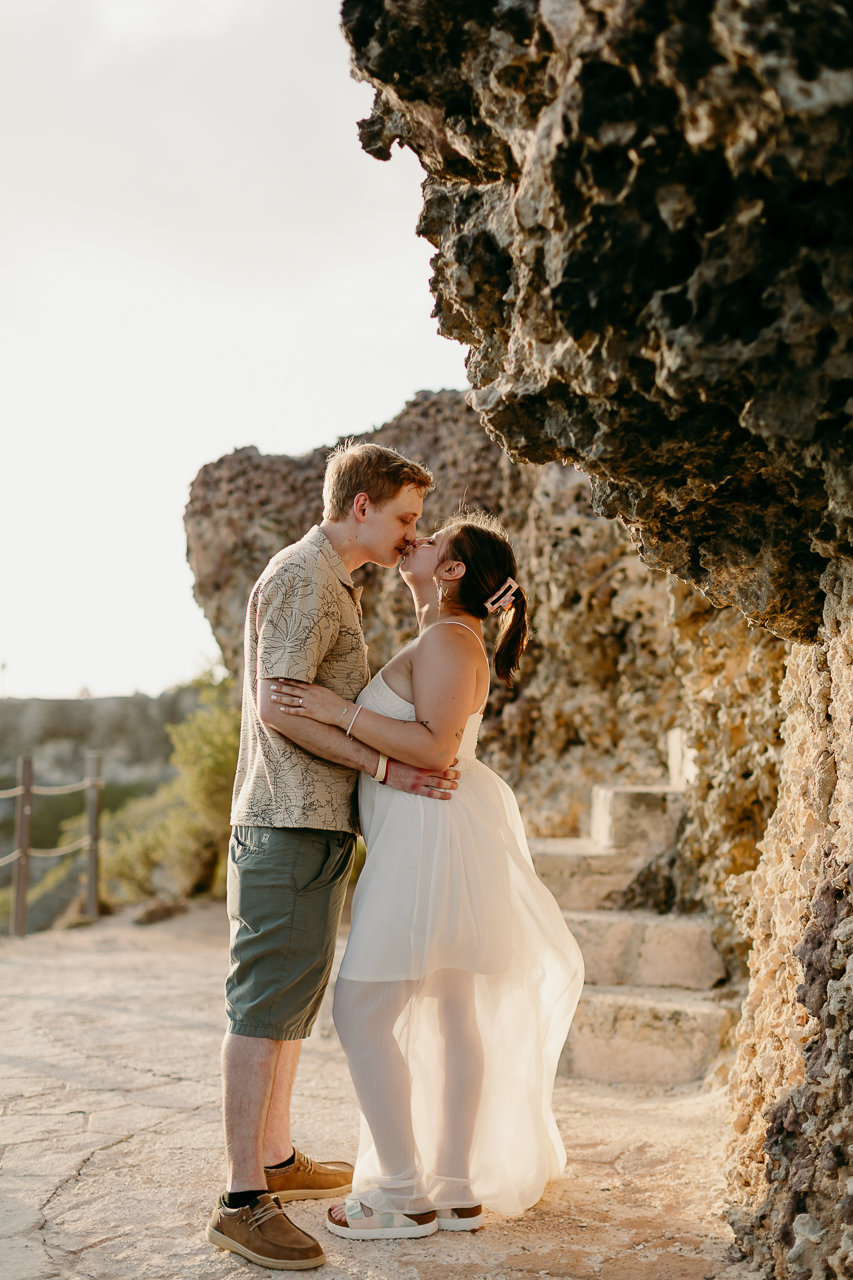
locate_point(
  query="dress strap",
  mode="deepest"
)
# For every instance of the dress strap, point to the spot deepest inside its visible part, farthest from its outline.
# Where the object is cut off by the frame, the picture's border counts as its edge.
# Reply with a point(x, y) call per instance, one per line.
point(451, 622)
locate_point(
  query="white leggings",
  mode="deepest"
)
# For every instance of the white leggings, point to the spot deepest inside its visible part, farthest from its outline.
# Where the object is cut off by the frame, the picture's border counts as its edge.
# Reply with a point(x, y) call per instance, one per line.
point(405, 1175)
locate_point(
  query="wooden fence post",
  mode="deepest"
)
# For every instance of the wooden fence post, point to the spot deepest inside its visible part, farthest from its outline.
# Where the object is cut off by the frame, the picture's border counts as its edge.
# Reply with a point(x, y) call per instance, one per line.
point(21, 866)
point(93, 812)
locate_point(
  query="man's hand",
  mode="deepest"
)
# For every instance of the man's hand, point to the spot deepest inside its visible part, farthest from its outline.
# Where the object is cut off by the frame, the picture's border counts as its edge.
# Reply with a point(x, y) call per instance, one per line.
point(422, 782)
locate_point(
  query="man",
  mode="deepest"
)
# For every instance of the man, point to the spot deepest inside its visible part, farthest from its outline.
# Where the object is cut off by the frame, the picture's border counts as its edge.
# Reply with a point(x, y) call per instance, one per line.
point(295, 823)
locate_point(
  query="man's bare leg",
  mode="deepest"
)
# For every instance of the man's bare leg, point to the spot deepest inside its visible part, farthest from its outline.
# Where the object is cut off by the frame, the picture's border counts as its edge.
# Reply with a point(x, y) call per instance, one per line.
point(248, 1073)
point(277, 1144)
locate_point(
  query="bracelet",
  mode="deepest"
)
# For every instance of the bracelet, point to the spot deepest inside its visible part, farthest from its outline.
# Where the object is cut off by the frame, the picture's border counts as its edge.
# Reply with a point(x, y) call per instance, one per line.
point(385, 774)
point(381, 768)
point(352, 722)
point(347, 708)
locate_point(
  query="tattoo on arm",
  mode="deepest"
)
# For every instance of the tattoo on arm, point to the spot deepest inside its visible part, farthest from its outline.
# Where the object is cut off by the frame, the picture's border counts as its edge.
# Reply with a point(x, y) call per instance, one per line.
point(458, 733)
point(425, 723)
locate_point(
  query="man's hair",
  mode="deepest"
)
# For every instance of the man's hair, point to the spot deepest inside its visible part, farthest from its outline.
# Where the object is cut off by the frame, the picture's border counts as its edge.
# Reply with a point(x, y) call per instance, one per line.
point(368, 468)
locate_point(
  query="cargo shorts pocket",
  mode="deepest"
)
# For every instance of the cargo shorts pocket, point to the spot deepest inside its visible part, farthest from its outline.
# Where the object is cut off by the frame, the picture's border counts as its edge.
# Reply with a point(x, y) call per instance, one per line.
point(321, 860)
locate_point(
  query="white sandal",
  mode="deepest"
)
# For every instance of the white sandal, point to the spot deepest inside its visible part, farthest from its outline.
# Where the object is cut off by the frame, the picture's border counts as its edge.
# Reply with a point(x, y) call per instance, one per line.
point(470, 1219)
point(364, 1224)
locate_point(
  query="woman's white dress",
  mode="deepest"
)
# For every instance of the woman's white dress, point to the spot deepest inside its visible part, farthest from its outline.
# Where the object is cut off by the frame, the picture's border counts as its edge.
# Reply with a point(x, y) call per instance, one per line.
point(455, 996)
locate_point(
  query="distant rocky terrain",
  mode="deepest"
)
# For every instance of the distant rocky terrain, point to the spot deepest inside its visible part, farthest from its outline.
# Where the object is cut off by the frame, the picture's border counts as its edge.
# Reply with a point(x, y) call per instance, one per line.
point(57, 732)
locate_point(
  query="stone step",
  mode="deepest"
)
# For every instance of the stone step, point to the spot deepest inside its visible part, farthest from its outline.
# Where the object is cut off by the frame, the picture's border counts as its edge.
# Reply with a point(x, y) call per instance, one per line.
point(581, 875)
point(636, 817)
point(646, 1035)
point(640, 948)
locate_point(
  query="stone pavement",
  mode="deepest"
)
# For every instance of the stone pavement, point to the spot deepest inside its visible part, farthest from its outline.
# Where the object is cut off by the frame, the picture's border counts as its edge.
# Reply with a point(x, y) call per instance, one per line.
point(111, 1148)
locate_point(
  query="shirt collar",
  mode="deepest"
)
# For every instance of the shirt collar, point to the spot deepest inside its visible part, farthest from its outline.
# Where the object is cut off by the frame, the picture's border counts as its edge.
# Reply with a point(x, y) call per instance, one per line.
point(334, 561)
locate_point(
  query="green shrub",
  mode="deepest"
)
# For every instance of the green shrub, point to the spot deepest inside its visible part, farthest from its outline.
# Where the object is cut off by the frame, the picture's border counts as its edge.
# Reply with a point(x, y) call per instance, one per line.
point(174, 841)
point(50, 813)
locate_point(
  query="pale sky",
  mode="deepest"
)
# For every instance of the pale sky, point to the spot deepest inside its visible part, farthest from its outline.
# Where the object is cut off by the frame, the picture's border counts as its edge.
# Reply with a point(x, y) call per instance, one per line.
point(196, 255)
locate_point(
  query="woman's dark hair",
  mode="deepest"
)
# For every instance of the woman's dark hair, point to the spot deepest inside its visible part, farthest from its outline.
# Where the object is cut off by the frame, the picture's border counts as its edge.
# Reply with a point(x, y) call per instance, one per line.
point(480, 542)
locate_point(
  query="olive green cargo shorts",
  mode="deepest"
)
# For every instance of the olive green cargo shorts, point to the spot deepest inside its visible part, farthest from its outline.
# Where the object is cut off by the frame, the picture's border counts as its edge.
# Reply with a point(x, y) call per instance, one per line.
point(286, 890)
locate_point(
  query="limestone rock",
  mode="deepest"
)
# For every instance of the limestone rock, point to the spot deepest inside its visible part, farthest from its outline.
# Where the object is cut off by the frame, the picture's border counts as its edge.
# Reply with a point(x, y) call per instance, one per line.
point(641, 217)
point(791, 1088)
point(596, 692)
point(129, 732)
point(732, 718)
point(645, 1035)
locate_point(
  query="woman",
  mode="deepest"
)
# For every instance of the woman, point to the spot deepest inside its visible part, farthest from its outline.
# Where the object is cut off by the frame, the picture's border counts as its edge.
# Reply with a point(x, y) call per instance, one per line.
point(460, 978)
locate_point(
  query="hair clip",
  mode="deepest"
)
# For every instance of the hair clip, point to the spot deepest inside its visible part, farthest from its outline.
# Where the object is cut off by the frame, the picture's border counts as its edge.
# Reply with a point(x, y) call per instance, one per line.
point(503, 597)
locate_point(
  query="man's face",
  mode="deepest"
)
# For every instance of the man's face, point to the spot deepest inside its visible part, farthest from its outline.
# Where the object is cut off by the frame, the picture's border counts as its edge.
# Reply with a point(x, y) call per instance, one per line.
point(390, 530)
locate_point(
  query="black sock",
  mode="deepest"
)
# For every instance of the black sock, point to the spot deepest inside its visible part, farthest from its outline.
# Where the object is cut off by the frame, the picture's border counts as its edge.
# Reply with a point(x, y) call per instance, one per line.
point(239, 1199)
point(284, 1163)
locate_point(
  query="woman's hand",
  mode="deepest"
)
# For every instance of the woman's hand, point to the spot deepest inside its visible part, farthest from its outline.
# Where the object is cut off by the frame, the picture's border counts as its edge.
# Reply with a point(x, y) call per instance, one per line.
point(311, 700)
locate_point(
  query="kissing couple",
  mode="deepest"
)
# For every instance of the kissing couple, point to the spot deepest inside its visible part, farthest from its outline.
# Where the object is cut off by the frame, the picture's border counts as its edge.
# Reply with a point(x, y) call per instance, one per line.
point(460, 977)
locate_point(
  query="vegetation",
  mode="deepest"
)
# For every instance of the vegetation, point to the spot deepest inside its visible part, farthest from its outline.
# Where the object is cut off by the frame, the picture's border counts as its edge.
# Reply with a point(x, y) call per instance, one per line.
point(57, 820)
point(50, 813)
point(174, 841)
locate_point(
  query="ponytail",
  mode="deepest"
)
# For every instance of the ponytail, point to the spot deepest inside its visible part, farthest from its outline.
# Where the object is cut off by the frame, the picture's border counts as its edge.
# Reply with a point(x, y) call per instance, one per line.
point(480, 542)
point(512, 638)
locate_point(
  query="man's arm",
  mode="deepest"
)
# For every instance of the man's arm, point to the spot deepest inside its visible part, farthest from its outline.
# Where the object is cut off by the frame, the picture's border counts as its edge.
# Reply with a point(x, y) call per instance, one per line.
point(329, 743)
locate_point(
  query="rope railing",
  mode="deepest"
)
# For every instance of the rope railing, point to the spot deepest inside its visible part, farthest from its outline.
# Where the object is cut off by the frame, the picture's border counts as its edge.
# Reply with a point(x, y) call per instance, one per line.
point(66, 789)
point(20, 857)
point(82, 843)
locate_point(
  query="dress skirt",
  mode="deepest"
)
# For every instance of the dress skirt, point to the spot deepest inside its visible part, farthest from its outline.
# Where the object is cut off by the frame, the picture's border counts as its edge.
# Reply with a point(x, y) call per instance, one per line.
point(455, 996)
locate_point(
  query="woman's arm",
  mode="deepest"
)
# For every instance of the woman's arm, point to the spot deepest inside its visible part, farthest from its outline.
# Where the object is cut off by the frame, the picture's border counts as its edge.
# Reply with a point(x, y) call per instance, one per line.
point(328, 743)
point(444, 672)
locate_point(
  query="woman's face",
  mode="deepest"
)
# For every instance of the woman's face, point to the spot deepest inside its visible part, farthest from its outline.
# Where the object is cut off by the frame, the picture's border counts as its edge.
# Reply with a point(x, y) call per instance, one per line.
point(419, 565)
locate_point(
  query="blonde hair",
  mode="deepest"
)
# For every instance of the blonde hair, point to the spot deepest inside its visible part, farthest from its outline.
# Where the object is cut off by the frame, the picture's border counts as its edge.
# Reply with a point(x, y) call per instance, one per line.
point(368, 468)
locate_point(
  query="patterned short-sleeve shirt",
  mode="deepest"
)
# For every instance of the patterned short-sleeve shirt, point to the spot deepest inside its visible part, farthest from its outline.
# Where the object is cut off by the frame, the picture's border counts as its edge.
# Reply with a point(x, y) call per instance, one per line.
point(303, 622)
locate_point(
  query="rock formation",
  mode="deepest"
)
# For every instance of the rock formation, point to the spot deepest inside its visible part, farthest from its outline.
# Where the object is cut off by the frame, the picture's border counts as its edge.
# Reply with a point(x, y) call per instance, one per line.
point(641, 216)
point(641, 213)
point(597, 691)
point(732, 718)
point(791, 1091)
point(130, 733)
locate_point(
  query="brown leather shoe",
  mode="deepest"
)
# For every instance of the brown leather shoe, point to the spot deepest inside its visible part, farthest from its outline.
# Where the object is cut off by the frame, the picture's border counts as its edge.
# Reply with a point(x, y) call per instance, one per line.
point(263, 1233)
point(308, 1179)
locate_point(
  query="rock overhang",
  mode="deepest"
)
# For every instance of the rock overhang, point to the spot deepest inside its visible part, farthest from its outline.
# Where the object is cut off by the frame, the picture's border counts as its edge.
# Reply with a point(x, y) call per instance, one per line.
point(641, 213)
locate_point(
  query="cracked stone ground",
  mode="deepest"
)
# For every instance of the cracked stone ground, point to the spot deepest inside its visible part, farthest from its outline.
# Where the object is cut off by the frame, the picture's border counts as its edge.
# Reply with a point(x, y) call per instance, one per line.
point(111, 1148)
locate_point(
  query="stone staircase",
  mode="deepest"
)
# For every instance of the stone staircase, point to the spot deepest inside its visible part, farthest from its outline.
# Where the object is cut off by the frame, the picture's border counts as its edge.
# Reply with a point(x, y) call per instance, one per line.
point(654, 1008)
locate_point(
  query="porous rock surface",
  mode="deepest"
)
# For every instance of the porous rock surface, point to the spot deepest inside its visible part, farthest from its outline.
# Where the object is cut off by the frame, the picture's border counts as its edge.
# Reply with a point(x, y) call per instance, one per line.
point(791, 1090)
point(732, 717)
point(641, 217)
point(596, 692)
point(641, 213)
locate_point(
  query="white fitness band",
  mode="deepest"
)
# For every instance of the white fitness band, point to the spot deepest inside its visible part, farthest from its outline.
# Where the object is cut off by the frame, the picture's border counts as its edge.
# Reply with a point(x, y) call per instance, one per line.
point(381, 768)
